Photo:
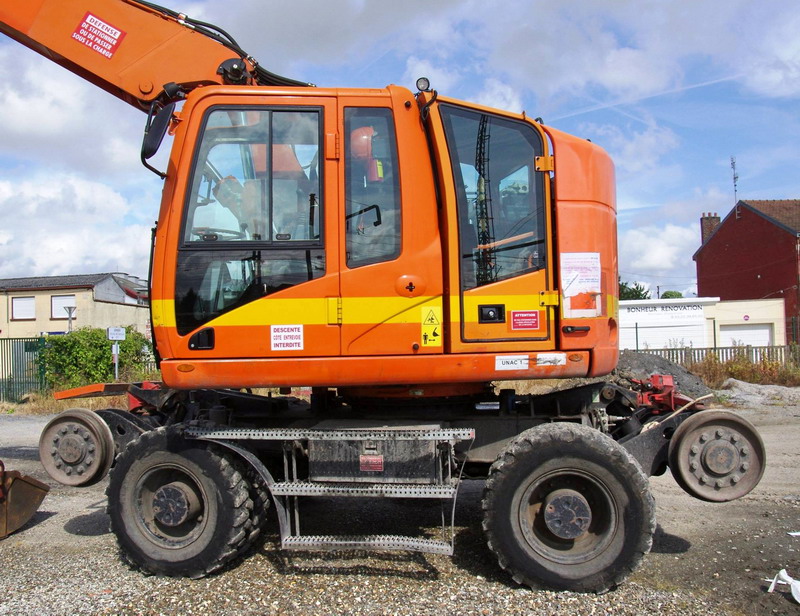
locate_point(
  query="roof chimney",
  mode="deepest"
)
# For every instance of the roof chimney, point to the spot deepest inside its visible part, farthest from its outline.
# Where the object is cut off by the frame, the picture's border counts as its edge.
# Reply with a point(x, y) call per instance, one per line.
point(708, 223)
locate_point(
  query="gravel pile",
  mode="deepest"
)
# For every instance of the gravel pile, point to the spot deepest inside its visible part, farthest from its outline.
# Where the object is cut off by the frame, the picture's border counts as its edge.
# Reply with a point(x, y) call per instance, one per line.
point(638, 366)
point(85, 576)
point(641, 365)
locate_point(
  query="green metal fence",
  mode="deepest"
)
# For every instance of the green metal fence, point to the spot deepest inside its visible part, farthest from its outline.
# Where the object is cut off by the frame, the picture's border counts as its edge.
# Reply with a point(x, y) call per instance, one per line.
point(21, 372)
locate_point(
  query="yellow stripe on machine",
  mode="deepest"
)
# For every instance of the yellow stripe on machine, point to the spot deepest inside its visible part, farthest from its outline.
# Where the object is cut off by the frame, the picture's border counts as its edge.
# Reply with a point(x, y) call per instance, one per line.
point(310, 311)
point(163, 312)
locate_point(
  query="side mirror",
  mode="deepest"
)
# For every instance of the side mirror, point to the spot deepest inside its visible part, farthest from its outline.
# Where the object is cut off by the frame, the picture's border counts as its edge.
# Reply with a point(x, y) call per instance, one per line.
point(154, 131)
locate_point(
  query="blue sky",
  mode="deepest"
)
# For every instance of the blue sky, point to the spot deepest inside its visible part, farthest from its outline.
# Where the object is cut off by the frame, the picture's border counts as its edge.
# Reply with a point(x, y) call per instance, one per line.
point(672, 89)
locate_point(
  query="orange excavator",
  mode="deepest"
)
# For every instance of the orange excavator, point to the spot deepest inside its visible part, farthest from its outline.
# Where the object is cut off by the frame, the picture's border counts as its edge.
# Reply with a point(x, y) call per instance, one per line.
point(396, 252)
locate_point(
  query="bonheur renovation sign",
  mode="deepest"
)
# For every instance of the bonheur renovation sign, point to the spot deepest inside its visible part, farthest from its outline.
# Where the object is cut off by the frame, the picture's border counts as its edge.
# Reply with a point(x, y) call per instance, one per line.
point(664, 323)
point(667, 313)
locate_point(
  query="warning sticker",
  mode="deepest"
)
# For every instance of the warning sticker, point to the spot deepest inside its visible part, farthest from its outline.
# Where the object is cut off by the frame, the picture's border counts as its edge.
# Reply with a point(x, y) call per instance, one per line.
point(524, 319)
point(370, 463)
point(98, 35)
point(286, 337)
point(431, 333)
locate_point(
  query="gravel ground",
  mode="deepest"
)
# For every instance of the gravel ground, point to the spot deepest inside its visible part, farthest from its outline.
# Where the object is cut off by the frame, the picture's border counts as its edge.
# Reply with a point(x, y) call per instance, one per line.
point(706, 559)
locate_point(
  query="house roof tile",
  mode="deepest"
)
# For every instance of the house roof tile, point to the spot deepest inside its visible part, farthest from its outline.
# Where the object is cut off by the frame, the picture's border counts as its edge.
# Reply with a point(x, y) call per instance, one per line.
point(77, 281)
point(785, 212)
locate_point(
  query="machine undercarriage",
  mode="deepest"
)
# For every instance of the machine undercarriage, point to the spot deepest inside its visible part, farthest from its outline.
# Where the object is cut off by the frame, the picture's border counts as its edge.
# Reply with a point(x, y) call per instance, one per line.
point(566, 500)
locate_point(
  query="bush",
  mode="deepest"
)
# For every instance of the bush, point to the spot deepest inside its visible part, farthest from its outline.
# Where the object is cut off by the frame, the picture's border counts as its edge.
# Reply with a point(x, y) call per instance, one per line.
point(84, 356)
point(765, 371)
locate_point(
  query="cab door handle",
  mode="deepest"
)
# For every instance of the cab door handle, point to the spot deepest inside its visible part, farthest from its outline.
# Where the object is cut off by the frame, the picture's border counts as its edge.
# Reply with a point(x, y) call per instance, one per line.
point(571, 329)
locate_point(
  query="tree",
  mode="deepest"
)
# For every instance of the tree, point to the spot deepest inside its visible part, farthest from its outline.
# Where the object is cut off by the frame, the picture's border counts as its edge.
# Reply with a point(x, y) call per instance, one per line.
point(84, 356)
point(633, 291)
point(671, 295)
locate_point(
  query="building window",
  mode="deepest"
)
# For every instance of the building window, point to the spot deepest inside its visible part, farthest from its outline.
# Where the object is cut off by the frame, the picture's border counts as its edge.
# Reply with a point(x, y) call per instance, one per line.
point(23, 308)
point(58, 305)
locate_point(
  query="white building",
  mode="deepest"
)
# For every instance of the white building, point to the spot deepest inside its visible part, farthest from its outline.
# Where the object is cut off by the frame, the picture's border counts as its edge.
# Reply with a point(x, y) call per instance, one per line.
point(700, 322)
point(32, 307)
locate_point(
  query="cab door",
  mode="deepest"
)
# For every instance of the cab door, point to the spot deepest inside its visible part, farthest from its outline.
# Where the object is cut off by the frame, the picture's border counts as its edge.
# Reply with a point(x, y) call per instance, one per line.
point(256, 268)
point(390, 256)
point(502, 296)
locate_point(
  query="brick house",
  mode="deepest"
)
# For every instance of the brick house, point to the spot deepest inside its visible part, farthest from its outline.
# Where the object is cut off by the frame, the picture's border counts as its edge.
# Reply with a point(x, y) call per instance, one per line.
point(753, 253)
point(35, 306)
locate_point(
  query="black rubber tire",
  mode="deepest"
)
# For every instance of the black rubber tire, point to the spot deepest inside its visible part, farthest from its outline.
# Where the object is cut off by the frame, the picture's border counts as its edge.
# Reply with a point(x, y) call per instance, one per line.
point(568, 456)
point(207, 540)
point(259, 494)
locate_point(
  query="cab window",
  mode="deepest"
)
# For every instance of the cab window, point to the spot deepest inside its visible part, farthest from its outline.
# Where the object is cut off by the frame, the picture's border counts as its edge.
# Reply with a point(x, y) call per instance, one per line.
point(500, 196)
point(252, 225)
point(256, 179)
point(372, 217)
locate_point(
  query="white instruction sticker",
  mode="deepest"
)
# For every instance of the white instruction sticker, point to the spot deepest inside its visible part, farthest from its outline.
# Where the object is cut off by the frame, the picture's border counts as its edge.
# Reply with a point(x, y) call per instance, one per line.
point(511, 362)
point(286, 337)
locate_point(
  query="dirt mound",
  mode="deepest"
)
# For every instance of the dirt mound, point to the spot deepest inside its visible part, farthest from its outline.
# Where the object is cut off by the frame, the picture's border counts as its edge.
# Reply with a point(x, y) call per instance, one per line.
point(641, 365)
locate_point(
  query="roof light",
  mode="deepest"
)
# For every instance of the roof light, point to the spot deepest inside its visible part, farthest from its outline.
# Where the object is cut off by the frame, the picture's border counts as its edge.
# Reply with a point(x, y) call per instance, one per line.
point(423, 84)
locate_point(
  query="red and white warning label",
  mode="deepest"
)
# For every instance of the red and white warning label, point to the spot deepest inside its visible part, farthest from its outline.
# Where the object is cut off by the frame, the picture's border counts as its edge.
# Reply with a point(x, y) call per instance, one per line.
point(370, 463)
point(524, 319)
point(286, 337)
point(98, 35)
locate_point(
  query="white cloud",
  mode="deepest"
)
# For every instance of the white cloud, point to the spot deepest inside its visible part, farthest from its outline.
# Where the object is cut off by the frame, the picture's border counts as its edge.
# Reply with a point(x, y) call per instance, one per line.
point(52, 116)
point(635, 151)
point(440, 78)
point(658, 255)
point(62, 224)
point(501, 95)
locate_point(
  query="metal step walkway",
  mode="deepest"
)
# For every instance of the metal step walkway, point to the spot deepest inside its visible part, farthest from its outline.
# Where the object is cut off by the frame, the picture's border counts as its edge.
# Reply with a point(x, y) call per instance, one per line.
point(372, 462)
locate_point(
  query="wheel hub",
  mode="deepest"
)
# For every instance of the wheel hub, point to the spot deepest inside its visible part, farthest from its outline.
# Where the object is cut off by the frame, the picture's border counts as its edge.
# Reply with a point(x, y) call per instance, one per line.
point(716, 456)
point(720, 457)
point(77, 448)
point(567, 514)
point(72, 448)
point(175, 503)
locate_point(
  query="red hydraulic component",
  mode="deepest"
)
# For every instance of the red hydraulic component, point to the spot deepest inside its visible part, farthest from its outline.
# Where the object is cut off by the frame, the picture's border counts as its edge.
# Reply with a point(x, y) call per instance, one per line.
point(659, 393)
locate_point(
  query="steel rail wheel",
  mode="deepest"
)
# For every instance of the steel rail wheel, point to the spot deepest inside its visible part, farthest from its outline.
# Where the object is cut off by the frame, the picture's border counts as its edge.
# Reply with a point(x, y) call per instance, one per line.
point(566, 507)
point(717, 456)
point(178, 507)
point(76, 448)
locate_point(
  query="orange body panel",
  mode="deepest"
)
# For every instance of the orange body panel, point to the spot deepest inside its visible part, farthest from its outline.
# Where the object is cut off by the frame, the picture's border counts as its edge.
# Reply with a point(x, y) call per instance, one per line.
point(368, 325)
point(364, 371)
point(120, 46)
point(585, 222)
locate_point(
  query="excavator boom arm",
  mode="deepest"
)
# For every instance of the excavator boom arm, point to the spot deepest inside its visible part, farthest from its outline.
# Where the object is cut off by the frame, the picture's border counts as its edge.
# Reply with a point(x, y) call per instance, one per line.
point(131, 48)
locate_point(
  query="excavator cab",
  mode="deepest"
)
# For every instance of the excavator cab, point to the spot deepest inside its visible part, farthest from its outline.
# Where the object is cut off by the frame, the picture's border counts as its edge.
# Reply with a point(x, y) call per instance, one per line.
point(307, 224)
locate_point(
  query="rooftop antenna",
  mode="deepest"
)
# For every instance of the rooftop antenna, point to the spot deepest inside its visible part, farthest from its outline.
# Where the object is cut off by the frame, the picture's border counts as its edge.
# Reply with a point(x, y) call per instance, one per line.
point(735, 181)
